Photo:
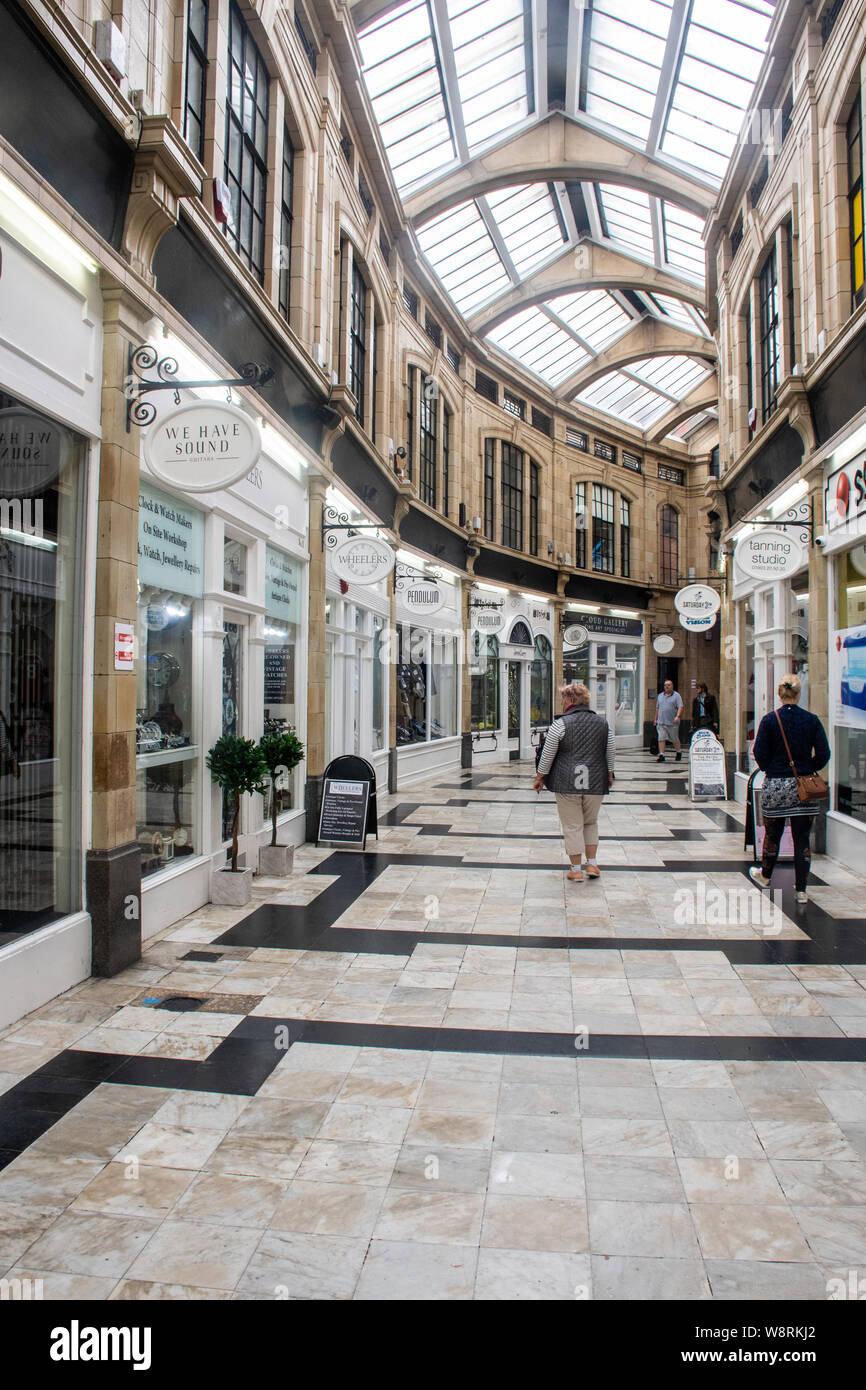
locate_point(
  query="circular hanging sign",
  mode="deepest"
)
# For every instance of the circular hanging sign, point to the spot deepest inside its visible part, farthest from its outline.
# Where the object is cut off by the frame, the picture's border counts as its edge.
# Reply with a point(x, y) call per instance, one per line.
point(203, 446)
point(422, 596)
point(697, 623)
point(575, 635)
point(857, 557)
point(362, 559)
point(770, 553)
point(32, 452)
point(663, 644)
point(490, 620)
point(697, 601)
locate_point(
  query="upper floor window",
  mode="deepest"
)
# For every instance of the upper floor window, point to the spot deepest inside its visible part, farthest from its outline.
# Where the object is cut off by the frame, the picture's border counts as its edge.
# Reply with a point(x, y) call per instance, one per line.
point(512, 497)
point(624, 537)
point(602, 528)
point(768, 305)
point(446, 459)
point(196, 73)
point(428, 449)
point(358, 342)
point(669, 544)
point(246, 169)
point(285, 260)
point(489, 483)
point(581, 521)
point(533, 507)
point(410, 418)
point(855, 200)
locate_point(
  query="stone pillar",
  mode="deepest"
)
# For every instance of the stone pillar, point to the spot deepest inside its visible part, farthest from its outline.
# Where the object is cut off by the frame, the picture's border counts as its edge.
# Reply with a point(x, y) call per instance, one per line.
point(114, 858)
point(315, 762)
point(729, 667)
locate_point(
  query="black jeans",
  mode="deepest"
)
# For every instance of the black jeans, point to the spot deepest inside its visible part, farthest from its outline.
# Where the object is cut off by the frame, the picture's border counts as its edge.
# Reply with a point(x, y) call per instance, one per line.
point(774, 828)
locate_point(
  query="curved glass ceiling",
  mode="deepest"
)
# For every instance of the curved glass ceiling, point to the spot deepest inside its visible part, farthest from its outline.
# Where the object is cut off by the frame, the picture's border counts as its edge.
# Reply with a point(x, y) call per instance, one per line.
point(449, 78)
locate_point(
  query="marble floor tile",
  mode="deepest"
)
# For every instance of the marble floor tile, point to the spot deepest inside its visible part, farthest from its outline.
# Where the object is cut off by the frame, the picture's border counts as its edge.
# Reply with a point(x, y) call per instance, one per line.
point(743, 1232)
point(534, 1223)
point(411, 1270)
point(196, 1252)
point(532, 1275)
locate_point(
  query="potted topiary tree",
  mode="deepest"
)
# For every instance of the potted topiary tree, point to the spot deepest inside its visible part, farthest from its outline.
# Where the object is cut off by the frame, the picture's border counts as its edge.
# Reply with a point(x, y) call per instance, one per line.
point(238, 768)
point(281, 752)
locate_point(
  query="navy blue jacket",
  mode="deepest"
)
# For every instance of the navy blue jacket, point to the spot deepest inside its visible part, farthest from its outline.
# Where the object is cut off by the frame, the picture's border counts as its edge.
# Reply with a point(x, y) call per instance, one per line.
point(806, 739)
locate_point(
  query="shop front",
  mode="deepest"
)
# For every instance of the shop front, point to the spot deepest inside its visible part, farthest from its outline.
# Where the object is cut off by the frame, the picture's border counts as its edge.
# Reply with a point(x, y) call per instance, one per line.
point(428, 652)
point(510, 653)
point(606, 653)
point(220, 649)
point(845, 547)
point(50, 387)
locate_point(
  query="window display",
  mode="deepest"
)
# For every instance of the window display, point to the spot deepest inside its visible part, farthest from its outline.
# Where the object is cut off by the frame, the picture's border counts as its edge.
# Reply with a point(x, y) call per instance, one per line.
point(628, 685)
point(411, 685)
point(848, 684)
point(444, 677)
point(379, 670)
point(540, 684)
point(282, 609)
point(42, 471)
point(484, 658)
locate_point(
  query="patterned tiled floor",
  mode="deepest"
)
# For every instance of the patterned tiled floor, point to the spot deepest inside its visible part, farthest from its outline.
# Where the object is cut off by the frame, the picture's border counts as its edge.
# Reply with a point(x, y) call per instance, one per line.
point(438, 1070)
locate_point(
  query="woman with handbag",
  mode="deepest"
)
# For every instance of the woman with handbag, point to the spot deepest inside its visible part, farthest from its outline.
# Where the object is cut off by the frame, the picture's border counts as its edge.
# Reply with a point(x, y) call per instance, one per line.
point(577, 763)
point(790, 748)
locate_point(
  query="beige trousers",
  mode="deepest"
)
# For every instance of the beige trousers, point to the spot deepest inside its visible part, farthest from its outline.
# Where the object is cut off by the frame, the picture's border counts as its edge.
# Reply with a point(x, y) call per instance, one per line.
point(578, 816)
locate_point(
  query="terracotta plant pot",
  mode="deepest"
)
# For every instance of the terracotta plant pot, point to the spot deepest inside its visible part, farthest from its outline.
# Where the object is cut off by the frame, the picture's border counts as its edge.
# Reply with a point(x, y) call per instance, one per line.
point(231, 890)
point(276, 861)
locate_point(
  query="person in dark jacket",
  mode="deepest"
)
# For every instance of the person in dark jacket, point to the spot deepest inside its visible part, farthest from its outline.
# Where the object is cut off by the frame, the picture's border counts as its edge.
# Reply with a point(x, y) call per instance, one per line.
point(705, 710)
point(577, 761)
point(810, 751)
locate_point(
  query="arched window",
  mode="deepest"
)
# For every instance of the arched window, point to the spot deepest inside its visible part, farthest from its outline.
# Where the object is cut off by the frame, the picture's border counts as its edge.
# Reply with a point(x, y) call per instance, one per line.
point(669, 544)
point(540, 684)
point(520, 634)
point(484, 667)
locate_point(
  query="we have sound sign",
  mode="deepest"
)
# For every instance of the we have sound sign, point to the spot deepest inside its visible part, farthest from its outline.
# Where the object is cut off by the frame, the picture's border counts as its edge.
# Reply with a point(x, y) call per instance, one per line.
point(203, 446)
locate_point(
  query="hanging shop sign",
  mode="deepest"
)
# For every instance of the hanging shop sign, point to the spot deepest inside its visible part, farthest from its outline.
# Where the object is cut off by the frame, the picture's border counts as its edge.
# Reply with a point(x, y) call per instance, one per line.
point(697, 601)
point(769, 554)
point(422, 596)
point(663, 644)
point(362, 559)
point(516, 651)
point(706, 766)
point(488, 620)
point(202, 446)
point(32, 452)
point(170, 543)
point(575, 635)
point(694, 622)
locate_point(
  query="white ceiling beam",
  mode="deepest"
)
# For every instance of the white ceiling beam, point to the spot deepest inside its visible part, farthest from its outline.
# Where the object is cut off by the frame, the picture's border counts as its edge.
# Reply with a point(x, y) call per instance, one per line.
point(576, 23)
point(676, 42)
point(539, 56)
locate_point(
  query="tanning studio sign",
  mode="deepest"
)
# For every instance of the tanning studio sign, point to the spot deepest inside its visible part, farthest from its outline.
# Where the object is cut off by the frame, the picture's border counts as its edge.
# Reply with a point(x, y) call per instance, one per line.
point(203, 446)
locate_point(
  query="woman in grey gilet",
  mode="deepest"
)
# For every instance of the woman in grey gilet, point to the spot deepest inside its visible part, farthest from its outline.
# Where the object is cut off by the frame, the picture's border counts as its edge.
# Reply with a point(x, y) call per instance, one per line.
point(577, 764)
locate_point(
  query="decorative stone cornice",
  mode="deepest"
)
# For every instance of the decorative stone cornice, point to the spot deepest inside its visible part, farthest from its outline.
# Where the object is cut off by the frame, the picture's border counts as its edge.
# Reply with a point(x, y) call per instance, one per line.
point(165, 171)
point(794, 398)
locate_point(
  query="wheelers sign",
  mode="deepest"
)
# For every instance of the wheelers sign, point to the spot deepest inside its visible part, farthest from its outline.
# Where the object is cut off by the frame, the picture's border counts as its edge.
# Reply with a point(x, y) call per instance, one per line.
point(362, 559)
point(203, 446)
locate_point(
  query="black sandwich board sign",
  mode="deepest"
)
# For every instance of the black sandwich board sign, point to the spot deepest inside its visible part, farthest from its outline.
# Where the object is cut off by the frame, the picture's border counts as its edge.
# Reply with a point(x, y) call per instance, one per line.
point(348, 813)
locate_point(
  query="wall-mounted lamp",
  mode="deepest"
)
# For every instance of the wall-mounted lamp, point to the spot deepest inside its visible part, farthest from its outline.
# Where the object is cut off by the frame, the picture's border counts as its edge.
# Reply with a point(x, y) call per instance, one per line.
point(476, 524)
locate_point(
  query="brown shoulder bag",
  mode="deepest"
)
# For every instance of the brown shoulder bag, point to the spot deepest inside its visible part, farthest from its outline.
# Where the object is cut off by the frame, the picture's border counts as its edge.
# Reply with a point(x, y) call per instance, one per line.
point(810, 786)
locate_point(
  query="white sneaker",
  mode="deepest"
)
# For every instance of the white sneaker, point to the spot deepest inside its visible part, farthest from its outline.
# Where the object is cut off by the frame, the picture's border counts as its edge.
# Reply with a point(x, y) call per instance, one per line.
point(757, 877)
point(802, 897)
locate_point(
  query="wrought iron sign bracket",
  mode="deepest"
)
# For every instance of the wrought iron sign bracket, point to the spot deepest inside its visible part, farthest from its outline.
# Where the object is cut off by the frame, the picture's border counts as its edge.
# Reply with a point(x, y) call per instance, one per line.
point(334, 520)
point(146, 358)
point(405, 575)
point(801, 517)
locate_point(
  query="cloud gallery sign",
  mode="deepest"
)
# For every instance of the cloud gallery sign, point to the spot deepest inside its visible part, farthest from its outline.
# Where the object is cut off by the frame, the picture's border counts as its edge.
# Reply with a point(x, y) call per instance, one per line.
point(203, 446)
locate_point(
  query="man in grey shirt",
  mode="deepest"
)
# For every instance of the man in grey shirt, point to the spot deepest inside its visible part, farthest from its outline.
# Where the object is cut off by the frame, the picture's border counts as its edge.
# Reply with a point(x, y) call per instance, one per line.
point(669, 707)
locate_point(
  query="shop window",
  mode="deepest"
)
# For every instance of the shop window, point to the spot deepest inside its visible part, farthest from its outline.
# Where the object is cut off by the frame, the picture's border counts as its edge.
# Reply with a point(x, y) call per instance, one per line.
point(286, 205)
point(484, 666)
point(42, 523)
point(358, 342)
point(234, 566)
point(246, 168)
point(428, 443)
point(848, 678)
point(768, 301)
point(489, 475)
point(575, 664)
point(444, 679)
point(855, 200)
point(512, 497)
point(669, 544)
point(628, 685)
point(624, 537)
point(196, 75)
point(602, 528)
point(164, 742)
point(581, 522)
point(380, 665)
point(411, 685)
point(282, 613)
point(541, 684)
point(232, 704)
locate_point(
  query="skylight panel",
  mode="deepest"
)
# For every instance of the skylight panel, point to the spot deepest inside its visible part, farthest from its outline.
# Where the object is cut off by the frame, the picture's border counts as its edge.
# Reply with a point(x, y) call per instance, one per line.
point(527, 220)
point(626, 51)
point(490, 56)
point(680, 312)
point(402, 75)
point(693, 423)
point(541, 345)
point(461, 252)
point(626, 217)
point(619, 395)
point(594, 315)
point(675, 375)
point(683, 240)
